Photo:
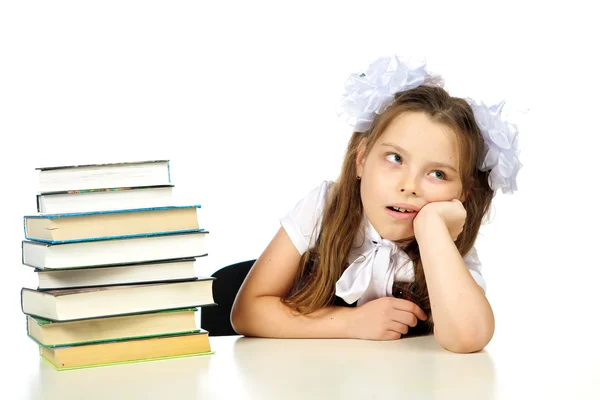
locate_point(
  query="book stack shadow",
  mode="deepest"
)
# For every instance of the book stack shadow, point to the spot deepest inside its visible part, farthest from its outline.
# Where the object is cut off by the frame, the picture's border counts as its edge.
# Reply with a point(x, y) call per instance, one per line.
point(115, 259)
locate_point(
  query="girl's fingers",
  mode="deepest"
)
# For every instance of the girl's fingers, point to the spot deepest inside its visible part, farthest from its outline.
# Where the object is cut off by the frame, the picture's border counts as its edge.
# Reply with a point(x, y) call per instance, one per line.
point(405, 318)
point(398, 327)
point(409, 306)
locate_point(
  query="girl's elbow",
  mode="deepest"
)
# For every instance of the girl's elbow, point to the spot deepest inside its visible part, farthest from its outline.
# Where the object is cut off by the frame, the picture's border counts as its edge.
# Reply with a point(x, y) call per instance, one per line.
point(467, 342)
point(237, 319)
point(463, 347)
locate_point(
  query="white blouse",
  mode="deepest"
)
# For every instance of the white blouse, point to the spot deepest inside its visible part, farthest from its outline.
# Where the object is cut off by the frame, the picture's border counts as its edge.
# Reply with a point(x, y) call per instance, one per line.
point(375, 263)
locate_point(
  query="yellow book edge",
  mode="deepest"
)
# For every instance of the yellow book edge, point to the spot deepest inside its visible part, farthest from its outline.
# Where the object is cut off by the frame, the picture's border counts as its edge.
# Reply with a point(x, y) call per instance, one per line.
point(125, 362)
point(113, 340)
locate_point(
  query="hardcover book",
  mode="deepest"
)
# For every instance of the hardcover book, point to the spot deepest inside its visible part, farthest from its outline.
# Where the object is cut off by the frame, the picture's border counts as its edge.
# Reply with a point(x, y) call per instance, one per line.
point(95, 225)
point(86, 303)
point(94, 176)
point(131, 249)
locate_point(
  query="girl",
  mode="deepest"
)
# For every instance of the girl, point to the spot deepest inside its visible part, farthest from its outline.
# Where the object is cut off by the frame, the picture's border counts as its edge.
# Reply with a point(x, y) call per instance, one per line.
point(388, 248)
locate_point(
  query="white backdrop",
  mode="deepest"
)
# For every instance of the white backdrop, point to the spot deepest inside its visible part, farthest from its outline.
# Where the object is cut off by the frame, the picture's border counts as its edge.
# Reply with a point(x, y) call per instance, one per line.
point(242, 98)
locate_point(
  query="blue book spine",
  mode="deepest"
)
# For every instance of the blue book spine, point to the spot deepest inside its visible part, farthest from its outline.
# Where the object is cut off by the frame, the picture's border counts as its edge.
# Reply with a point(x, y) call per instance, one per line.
point(79, 214)
point(132, 236)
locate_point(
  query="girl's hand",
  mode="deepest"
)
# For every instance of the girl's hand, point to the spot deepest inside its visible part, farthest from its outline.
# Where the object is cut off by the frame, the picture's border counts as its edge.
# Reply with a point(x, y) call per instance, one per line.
point(386, 318)
point(452, 213)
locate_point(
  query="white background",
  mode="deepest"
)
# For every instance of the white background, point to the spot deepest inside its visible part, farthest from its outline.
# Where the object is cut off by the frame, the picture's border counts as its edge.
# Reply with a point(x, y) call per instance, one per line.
point(242, 98)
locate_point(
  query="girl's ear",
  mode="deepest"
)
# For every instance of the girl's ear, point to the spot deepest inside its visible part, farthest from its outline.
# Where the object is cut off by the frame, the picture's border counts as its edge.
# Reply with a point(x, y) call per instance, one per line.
point(361, 157)
point(465, 194)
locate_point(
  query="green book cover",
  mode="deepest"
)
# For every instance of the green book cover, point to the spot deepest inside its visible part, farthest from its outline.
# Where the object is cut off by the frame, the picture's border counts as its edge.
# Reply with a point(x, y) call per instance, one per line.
point(121, 339)
point(42, 322)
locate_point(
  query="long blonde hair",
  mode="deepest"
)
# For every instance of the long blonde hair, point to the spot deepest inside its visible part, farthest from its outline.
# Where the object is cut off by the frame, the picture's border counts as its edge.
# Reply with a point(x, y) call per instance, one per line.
point(321, 266)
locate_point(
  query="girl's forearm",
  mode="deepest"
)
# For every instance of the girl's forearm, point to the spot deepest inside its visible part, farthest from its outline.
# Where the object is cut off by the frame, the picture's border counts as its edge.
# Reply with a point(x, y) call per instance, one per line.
point(267, 316)
point(462, 316)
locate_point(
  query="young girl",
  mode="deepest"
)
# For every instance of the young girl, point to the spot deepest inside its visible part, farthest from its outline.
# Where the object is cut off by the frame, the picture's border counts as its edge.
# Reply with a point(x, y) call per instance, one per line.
point(388, 249)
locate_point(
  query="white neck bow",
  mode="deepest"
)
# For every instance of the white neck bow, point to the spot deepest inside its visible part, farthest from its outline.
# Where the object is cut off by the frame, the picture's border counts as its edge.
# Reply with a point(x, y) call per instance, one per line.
point(373, 272)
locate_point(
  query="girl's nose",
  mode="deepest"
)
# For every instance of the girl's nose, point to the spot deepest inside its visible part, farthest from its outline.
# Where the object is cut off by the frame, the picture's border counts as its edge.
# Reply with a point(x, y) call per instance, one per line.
point(413, 192)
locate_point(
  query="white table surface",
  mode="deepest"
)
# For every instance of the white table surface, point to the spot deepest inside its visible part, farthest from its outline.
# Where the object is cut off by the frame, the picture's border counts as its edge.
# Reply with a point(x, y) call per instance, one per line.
point(252, 368)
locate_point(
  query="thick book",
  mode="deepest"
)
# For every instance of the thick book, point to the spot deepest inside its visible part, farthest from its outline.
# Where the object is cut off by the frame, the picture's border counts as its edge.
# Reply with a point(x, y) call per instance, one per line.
point(105, 199)
point(126, 250)
point(95, 176)
point(106, 301)
point(158, 271)
point(127, 351)
point(95, 225)
point(51, 334)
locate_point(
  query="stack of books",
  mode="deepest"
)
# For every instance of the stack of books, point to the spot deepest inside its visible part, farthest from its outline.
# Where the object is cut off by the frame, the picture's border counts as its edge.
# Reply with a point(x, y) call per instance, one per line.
point(115, 258)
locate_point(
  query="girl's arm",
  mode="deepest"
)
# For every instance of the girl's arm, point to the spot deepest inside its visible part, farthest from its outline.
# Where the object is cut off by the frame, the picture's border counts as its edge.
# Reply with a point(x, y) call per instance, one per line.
point(258, 310)
point(462, 316)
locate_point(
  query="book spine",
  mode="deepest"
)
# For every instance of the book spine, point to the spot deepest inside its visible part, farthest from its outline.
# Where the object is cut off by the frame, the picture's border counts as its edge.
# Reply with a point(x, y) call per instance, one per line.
point(103, 212)
point(22, 307)
point(132, 236)
point(45, 289)
point(169, 170)
point(116, 340)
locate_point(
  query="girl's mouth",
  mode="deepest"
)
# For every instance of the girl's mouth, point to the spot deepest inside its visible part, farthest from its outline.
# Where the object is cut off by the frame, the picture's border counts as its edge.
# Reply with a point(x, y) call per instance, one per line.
point(400, 214)
point(402, 210)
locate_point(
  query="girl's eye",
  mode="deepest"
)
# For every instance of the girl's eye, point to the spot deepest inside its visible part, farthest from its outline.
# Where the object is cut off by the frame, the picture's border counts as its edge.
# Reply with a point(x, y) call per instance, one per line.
point(440, 174)
point(397, 159)
point(393, 157)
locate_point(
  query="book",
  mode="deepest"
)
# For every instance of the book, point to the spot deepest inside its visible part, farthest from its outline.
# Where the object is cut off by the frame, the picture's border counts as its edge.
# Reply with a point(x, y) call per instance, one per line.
point(114, 256)
point(71, 227)
point(104, 199)
point(105, 301)
point(51, 334)
point(95, 176)
point(156, 271)
point(109, 252)
point(135, 350)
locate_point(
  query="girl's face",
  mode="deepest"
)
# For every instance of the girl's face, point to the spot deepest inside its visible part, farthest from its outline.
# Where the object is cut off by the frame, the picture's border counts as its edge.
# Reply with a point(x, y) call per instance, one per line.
point(414, 162)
